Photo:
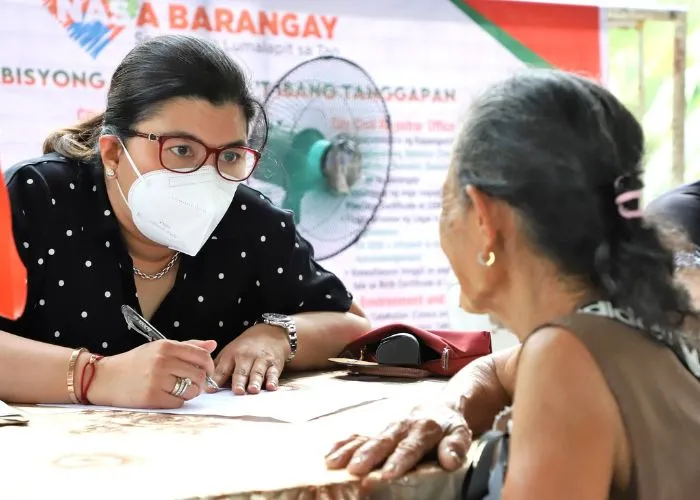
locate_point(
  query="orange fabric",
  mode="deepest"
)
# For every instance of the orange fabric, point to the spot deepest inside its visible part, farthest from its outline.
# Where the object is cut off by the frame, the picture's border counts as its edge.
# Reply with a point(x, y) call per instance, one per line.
point(13, 274)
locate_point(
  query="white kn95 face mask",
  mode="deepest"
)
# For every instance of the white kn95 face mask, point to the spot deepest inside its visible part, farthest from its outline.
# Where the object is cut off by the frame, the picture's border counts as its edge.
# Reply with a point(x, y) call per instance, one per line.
point(178, 210)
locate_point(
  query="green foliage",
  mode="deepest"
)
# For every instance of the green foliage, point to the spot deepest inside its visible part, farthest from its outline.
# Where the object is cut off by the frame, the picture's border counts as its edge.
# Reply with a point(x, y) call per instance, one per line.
point(658, 40)
point(132, 8)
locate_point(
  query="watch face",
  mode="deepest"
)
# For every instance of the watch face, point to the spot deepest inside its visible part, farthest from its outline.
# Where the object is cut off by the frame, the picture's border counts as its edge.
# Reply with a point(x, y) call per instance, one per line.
point(276, 318)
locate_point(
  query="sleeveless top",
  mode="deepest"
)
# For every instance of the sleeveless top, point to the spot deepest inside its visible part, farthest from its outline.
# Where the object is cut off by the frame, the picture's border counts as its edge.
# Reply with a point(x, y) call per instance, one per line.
point(659, 402)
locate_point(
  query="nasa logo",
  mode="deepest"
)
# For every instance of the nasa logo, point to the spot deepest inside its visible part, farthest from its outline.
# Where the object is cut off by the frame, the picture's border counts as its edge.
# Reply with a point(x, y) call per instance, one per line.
point(93, 23)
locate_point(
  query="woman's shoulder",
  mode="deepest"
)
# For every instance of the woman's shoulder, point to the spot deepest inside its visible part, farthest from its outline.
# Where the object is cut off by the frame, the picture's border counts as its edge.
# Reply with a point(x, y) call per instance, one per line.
point(553, 342)
point(558, 347)
point(250, 209)
point(554, 361)
point(49, 169)
point(254, 200)
point(36, 186)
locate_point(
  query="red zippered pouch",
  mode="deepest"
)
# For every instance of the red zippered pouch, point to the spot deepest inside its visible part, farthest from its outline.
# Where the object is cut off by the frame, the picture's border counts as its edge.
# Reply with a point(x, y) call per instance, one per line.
point(452, 350)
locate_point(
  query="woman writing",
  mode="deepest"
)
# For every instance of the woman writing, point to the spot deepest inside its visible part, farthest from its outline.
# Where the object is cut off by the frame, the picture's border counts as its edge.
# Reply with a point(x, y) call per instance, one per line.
point(146, 206)
point(541, 224)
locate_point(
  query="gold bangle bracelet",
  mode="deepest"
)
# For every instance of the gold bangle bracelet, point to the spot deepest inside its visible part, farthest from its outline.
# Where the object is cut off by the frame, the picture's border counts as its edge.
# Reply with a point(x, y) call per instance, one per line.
point(71, 374)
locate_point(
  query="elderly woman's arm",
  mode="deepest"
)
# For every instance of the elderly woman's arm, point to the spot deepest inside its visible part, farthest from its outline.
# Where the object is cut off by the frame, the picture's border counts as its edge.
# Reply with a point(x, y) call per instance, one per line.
point(563, 404)
point(484, 387)
point(471, 401)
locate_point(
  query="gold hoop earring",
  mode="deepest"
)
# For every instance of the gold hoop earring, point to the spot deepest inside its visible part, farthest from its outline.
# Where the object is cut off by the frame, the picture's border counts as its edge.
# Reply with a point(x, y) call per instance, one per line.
point(488, 262)
point(110, 173)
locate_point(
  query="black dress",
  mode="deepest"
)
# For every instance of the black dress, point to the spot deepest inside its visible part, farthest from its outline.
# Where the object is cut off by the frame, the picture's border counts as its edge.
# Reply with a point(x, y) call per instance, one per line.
point(80, 272)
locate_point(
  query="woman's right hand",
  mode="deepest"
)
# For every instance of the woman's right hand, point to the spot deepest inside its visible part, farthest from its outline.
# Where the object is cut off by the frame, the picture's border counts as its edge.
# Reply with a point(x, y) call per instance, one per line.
point(145, 376)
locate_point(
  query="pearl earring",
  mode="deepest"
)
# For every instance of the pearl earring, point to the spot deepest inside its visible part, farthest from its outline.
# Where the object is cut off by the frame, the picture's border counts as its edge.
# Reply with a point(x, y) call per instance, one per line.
point(109, 172)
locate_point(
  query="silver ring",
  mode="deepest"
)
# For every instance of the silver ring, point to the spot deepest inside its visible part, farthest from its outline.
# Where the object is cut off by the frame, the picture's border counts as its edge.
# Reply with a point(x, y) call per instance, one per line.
point(178, 387)
point(181, 386)
point(186, 383)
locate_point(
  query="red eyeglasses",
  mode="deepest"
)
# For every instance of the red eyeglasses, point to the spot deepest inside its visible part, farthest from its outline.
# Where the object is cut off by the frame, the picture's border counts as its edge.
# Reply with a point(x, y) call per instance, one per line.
point(186, 154)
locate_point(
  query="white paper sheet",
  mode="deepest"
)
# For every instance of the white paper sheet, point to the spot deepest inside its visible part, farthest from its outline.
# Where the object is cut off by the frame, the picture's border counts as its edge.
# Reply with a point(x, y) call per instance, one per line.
point(286, 405)
point(7, 411)
point(11, 416)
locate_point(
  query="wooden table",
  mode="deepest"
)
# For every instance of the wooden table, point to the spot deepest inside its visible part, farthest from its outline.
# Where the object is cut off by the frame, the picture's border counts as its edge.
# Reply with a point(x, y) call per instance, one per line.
point(123, 455)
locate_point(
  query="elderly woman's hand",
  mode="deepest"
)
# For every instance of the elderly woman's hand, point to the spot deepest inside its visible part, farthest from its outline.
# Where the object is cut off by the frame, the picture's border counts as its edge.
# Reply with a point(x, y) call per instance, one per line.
point(404, 444)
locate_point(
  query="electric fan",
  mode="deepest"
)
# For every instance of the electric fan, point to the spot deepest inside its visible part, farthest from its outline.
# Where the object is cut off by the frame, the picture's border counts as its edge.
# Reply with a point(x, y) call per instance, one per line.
point(328, 152)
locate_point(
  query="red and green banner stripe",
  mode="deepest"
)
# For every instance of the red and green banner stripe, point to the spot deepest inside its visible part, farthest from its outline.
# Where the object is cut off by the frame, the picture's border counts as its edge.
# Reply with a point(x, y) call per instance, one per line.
point(542, 35)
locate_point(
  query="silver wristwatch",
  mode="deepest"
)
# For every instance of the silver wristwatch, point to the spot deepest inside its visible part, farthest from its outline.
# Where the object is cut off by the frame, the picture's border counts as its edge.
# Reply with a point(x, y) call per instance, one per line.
point(289, 325)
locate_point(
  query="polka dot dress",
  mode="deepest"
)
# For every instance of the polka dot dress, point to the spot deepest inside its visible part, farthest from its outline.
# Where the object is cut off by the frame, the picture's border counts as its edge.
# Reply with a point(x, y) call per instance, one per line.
point(80, 273)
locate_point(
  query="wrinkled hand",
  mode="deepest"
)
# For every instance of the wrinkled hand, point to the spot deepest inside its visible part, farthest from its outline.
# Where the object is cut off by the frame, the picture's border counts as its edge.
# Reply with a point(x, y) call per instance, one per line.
point(404, 444)
point(145, 376)
point(257, 356)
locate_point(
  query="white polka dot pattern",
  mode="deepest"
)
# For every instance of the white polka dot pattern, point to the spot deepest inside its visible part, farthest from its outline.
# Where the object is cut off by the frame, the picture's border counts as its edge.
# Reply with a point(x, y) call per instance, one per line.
point(81, 273)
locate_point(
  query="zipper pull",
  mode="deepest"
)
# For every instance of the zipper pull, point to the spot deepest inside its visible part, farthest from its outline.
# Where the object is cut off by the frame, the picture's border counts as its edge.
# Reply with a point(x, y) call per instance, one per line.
point(445, 358)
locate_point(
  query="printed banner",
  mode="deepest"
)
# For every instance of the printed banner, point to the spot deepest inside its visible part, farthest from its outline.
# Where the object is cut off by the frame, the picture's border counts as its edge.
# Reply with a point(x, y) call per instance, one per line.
point(428, 60)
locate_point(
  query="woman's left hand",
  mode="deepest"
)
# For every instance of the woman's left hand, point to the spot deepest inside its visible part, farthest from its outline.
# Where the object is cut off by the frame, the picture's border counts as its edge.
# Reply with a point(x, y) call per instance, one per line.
point(255, 357)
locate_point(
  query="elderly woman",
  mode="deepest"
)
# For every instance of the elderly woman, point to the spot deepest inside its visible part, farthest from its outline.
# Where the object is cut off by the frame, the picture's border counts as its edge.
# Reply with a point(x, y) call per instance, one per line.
point(541, 224)
point(146, 205)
